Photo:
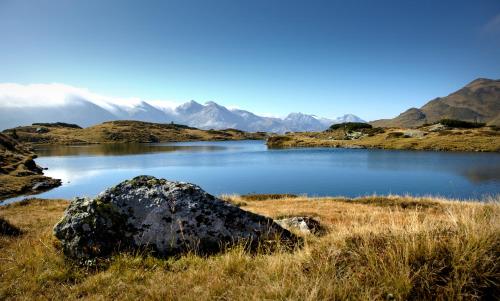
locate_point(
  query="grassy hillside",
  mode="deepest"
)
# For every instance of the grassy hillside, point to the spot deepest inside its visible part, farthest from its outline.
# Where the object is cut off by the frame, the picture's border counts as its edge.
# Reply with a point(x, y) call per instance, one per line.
point(123, 131)
point(375, 248)
point(484, 139)
point(478, 101)
point(19, 174)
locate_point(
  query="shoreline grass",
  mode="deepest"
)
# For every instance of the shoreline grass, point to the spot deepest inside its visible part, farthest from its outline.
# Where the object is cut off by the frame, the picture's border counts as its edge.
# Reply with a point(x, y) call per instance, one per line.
point(456, 140)
point(375, 248)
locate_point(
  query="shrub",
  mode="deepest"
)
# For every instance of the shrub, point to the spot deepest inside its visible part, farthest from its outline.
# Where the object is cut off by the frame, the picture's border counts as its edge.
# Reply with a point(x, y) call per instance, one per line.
point(58, 124)
point(453, 123)
point(350, 126)
point(373, 131)
point(234, 130)
point(395, 135)
point(217, 132)
point(277, 141)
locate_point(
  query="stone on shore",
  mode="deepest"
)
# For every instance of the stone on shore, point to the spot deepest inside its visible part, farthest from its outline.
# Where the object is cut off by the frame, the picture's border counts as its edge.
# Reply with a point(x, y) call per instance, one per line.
point(164, 217)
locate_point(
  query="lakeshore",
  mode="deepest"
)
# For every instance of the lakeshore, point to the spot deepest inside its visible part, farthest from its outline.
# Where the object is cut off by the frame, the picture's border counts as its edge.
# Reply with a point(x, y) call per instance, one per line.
point(486, 139)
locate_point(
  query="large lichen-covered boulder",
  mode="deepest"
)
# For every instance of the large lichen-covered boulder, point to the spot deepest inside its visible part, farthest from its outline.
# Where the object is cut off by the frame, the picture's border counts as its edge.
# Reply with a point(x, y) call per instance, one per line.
point(162, 216)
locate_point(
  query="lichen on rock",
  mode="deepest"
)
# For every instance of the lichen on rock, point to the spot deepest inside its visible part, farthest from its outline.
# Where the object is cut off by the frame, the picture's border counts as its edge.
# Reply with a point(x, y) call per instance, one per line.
point(162, 216)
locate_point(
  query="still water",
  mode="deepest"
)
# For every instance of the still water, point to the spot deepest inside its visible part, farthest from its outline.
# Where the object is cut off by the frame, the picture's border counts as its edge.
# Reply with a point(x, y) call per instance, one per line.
point(249, 167)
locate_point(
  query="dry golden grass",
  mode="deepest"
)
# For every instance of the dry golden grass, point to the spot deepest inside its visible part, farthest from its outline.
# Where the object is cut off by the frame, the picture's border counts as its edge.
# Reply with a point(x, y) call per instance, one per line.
point(125, 131)
point(452, 140)
point(376, 248)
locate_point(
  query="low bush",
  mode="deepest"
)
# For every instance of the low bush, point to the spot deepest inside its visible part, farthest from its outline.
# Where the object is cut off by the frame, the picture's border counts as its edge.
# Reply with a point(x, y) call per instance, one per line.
point(373, 131)
point(58, 124)
point(8, 229)
point(395, 135)
point(350, 126)
point(220, 133)
point(277, 141)
point(453, 123)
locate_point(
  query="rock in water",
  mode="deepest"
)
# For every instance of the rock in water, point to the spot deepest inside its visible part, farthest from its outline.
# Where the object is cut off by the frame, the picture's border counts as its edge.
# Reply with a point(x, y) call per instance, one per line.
point(159, 215)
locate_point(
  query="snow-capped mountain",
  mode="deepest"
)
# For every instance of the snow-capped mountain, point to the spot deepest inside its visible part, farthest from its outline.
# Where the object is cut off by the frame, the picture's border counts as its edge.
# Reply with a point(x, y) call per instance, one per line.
point(22, 105)
point(298, 122)
point(346, 118)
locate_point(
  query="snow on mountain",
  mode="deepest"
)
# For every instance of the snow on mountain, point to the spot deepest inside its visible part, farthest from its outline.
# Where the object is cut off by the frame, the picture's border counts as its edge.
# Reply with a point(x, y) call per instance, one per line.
point(26, 104)
point(208, 116)
point(347, 118)
point(298, 122)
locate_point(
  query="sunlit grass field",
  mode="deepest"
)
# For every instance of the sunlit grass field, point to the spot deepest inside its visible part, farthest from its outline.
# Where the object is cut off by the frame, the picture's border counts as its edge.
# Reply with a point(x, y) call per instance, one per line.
point(375, 248)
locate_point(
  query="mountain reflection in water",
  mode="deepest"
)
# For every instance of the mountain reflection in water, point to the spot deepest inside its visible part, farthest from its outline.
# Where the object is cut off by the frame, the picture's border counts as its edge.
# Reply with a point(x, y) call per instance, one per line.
point(119, 149)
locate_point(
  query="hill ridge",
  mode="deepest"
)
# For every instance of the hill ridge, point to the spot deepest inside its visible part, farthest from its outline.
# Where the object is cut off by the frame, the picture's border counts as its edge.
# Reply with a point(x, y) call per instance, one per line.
point(478, 101)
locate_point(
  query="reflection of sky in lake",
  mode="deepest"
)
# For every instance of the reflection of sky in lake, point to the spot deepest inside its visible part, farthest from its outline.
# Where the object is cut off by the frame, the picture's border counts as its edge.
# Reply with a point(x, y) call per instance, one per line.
point(249, 167)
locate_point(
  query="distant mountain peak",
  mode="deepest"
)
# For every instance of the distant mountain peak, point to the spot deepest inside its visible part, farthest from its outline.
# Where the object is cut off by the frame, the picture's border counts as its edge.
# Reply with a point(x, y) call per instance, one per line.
point(348, 118)
point(189, 107)
point(192, 103)
point(86, 109)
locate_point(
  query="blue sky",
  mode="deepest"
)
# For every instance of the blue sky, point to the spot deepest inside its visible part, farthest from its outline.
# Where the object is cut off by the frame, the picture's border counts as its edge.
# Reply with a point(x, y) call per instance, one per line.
point(370, 58)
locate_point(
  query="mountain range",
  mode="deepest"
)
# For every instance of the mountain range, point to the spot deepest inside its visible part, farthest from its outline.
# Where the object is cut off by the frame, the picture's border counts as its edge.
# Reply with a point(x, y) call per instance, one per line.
point(86, 112)
point(478, 101)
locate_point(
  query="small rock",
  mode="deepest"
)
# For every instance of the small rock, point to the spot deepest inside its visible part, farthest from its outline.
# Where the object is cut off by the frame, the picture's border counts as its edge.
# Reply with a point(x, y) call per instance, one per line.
point(354, 146)
point(304, 224)
point(413, 134)
point(437, 127)
point(163, 216)
point(354, 135)
point(42, 130)
point(46, 184)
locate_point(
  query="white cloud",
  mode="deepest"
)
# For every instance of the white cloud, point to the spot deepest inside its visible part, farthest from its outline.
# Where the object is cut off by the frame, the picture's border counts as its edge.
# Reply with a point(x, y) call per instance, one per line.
point(165, 105)
point(34, 95)
point(56, 94)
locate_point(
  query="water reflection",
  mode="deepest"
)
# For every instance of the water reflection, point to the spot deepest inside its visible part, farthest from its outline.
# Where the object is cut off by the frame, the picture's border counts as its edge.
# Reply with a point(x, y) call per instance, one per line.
point(477, 167)
point(482, 174)
point(121, 149)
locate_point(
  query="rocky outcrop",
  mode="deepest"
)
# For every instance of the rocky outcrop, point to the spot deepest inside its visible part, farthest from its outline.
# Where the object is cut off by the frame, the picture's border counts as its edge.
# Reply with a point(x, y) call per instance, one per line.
point(162, 216)
point(19, 174)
